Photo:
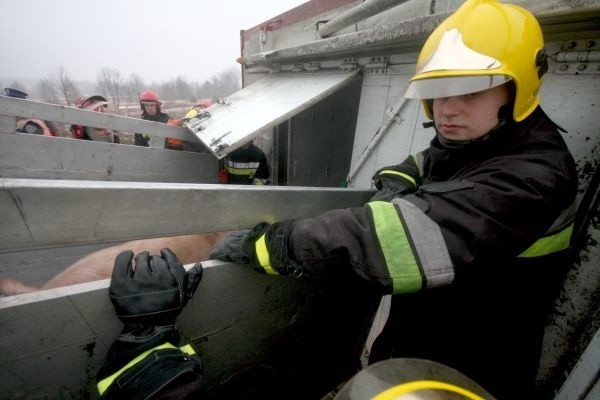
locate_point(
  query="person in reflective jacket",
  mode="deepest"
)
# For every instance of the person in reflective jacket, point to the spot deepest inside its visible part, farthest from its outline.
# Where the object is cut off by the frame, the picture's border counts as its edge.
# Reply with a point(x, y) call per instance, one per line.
point(470, 234)
point(246, 165)
point(150, 104)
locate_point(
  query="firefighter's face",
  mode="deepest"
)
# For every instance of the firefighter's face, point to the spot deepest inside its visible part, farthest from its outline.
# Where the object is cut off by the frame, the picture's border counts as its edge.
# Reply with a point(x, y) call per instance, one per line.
point(100, 135)
point(471, 115)
point(151, 108)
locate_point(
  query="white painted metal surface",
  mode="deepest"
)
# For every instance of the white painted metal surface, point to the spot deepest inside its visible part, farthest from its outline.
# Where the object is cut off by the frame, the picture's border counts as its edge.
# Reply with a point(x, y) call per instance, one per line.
point(265, 103)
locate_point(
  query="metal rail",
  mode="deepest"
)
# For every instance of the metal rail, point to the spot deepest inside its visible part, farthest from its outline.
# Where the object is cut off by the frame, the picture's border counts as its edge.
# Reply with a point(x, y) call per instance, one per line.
point(40, 213)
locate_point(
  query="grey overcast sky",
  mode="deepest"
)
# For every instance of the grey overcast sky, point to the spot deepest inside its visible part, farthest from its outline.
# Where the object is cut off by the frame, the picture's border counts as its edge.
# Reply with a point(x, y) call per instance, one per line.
point(159, 40)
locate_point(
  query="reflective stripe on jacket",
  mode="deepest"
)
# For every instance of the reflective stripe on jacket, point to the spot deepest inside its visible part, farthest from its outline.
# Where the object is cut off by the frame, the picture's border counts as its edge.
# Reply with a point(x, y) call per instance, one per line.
point(477, 206)
point(247, 165)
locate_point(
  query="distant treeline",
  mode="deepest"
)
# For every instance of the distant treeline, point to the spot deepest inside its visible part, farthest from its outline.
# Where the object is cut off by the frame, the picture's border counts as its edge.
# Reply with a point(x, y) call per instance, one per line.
point(59, 88)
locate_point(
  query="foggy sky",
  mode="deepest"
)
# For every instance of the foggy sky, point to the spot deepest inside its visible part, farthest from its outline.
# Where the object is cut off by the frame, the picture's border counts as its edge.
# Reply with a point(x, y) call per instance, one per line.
point(159, 40)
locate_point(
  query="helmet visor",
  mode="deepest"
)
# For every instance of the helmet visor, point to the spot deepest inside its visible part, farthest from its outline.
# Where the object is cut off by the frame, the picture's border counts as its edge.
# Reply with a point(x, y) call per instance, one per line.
point(434, 88)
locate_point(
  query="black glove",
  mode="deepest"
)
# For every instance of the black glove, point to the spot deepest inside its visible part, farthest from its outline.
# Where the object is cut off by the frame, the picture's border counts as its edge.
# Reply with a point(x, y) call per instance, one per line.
point(155, 292)
point(265, 247)
point(230, 248)
point(392, 183)
point(148, 299)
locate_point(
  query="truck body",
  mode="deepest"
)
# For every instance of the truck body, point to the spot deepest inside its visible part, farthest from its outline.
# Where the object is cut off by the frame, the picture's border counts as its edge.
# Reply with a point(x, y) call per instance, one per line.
point(322, 95)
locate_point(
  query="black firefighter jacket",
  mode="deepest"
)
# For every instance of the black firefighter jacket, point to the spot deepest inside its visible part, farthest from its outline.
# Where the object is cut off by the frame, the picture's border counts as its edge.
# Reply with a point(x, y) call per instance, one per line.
point(472, 251)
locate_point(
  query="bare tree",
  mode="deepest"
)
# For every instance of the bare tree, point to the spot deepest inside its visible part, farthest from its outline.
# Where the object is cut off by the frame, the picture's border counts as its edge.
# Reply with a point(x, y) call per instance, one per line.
point(184, 89)
point(62, 83)
point(47, 91)
point(221, 85)
point(109, 83)
point(135, 86)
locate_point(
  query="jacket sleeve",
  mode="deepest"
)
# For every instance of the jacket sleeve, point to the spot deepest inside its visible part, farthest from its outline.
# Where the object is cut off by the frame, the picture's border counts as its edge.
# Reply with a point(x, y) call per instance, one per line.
point(397, 180)
point(425, 239)
point(393, 244)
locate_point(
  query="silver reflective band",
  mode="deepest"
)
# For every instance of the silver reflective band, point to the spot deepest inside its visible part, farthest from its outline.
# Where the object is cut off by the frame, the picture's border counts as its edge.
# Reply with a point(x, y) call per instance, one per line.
point(450, 57)
point(453, 54)
point(435, 88)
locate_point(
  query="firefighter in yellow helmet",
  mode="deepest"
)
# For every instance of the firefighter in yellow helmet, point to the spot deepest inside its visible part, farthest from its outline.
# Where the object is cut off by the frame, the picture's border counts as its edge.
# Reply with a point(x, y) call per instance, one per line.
point(470, 236)
point(483, 45)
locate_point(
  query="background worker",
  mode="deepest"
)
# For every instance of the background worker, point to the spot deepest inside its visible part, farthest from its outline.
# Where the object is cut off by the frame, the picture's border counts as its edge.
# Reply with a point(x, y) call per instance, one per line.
point(246, 165)
point(95, 103)
point(471, 234)
point(31, 125)
point(150, 105)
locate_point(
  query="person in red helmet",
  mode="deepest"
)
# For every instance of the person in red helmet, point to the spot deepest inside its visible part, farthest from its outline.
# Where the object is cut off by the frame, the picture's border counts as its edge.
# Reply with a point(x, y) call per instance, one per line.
point(31, 125)
point(95, 103)
point(150, 105)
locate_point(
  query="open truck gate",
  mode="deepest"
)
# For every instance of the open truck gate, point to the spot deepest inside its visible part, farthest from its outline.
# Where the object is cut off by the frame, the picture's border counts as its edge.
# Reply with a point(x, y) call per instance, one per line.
point(323, 87)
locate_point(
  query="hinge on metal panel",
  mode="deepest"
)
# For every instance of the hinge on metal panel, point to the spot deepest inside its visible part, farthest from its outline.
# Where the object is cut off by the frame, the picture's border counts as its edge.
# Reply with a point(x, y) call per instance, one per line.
point(349, 65)
point(578, 57)
point(377, 65)
point(312, 66)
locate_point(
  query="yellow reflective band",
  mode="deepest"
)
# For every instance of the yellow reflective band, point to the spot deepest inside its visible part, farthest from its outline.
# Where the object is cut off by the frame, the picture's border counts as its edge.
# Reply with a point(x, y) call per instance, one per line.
point(241, 171)
point(263, 255)
point(549, 244)
point(188, 349)
point(106, 382)
point(399, 257)
point(402, 174)
point(410, 387)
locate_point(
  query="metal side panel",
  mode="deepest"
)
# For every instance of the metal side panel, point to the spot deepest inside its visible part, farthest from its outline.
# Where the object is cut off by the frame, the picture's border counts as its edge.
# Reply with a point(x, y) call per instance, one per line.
point(39, 213)
point(584, 380)
point(34, 156)
point(240, 322)
point(267, 102)
point(12, 107)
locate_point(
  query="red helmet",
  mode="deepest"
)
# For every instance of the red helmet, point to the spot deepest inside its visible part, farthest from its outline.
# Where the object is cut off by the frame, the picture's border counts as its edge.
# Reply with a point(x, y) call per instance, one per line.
point(204, 103)
point(149, 96)
point(91, 103)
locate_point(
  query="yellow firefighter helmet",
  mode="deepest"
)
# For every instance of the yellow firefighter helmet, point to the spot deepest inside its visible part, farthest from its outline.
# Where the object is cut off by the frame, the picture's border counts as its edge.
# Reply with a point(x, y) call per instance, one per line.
point(411, 379)
point(482, 45)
